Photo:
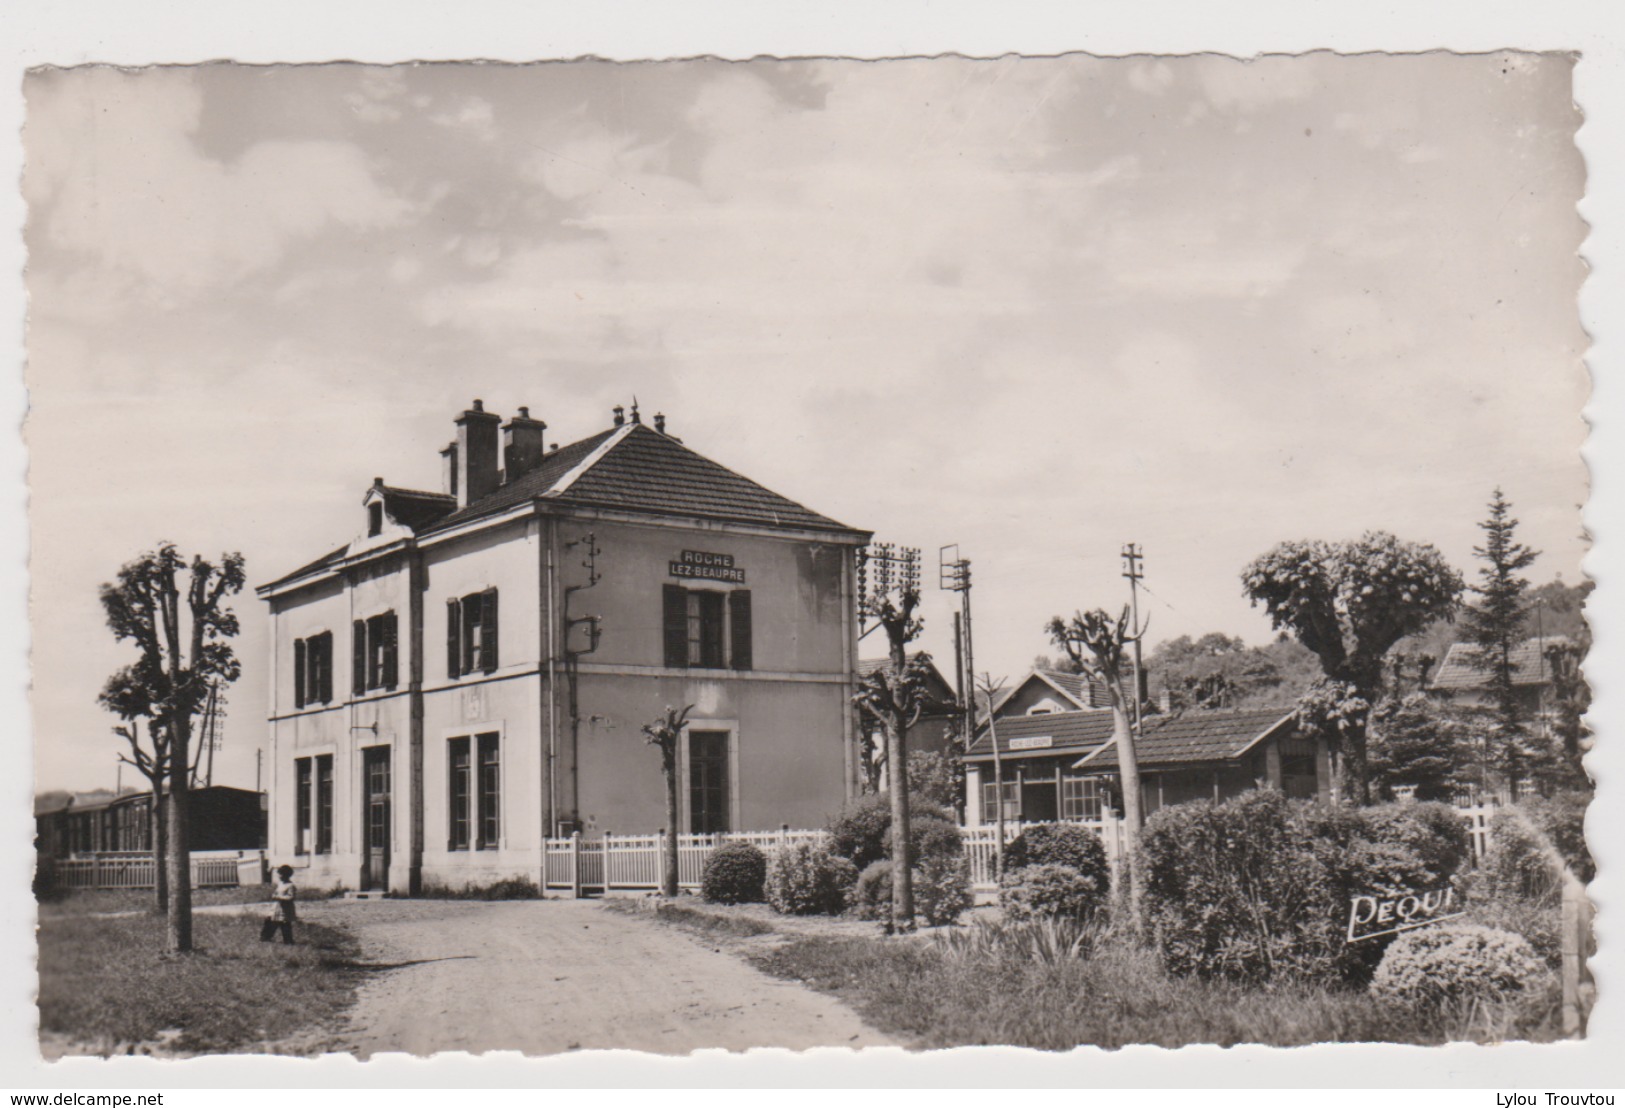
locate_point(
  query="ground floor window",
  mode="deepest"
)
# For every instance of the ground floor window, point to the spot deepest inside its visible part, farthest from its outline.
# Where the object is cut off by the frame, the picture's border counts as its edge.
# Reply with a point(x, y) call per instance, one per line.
point(302, 810)
point(708, 782)
point(1084, 798)
point(324, 804)
point(1012, 801)
point(475, 768)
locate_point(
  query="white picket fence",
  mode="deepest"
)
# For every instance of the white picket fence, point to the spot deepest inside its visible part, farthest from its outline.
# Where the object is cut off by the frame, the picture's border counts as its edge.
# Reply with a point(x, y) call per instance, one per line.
point(631, 862)
point(136, 870)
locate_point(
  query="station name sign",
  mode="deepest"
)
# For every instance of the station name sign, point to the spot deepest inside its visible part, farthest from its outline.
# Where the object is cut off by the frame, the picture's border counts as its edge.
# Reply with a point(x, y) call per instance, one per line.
point(1033, 742)
point(705, 566)
point(1371, 916)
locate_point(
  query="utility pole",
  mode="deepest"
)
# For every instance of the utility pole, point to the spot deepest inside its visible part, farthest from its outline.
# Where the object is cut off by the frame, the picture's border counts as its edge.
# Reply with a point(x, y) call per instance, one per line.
point(259, 759)
point(1132, 557)
point(954, 576)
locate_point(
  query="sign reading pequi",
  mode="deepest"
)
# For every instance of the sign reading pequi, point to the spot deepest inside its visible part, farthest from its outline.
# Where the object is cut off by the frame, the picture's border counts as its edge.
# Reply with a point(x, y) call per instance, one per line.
point(705, 566)
point(1371, 916)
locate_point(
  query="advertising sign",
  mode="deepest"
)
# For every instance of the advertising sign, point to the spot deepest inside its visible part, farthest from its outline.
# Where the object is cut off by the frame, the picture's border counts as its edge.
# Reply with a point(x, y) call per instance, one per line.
point(1371, 916)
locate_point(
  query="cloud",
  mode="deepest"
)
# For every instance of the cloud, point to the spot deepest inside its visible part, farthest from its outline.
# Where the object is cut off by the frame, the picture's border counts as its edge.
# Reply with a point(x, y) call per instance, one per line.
point(115, 180)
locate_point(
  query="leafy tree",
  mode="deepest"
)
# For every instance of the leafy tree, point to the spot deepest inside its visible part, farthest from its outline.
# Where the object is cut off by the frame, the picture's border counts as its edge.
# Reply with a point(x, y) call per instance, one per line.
point(895, 695)
point(1570, 700)
point(938, 778)
point(1095, 642)
point(1416, 743)
point(1557, 609)
point(183, 650)
point(1349, 603)
point(1494, 628)
point(665, 733)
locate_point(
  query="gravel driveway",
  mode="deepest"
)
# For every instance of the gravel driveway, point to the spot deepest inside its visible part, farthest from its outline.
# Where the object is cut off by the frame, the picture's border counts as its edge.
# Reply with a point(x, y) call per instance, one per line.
point(549, 976)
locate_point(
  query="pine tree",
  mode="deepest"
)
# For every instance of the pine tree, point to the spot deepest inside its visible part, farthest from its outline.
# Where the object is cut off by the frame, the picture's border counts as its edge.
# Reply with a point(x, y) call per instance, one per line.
point(1494, 628)
point(1416, 745)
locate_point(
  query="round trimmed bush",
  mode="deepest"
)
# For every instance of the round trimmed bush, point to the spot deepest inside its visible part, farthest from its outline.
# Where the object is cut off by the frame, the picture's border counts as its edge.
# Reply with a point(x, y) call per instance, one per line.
point(860, 832)
point(807, 880)
point(1060, 844)
point(871, 896)
point(1050, 892)
point(1432, 966)
point(735, 873)
point(942, 888)
point(930, 836)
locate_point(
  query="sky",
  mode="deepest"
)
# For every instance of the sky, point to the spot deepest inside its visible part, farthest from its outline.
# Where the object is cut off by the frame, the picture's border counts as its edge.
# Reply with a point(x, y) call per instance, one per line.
point(1038, 307)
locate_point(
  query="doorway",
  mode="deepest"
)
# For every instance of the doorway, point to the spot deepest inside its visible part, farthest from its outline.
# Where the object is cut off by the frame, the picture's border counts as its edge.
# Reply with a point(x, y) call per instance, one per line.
point(375, 819)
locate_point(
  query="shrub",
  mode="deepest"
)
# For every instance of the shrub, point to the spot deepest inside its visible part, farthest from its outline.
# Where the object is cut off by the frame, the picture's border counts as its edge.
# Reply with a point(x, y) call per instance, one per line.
point(1050, 892)
point(1046, 942)
point(1521, 864)
point(930, 836)
point(505, 888)
point(942, 888)
point(735, 873)
point(806, 879)
point(1258, 888)
point(1060, 844)
point(871, 896)
point(1434, 966)
point(859, 833)
point(1561, 819)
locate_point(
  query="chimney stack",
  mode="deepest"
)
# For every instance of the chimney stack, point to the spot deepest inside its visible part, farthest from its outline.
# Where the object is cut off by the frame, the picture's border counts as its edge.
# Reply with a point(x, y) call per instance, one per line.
point(522, 447)
point(448, 469)
point(620, 415)
point(477, 453)
point(660, 423)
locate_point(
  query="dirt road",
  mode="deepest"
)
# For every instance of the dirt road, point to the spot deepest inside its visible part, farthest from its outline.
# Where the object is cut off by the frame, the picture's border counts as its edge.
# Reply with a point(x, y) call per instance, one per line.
point(549, 976)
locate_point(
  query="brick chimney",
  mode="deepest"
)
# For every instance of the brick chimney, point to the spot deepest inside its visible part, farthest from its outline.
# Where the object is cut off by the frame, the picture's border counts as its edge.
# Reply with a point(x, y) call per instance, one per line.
point(477, 453)
point(522, 447)
point(448, 469)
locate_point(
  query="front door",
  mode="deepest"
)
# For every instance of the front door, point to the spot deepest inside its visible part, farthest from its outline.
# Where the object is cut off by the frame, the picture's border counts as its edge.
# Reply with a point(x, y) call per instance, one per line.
point(375, 818)
point(708, 782)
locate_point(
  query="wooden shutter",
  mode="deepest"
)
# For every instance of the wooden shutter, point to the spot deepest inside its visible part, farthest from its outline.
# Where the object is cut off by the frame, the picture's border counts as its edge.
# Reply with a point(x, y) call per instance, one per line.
point(324, 670)
point(391, 654)
point(676, 626)
point(299, 673)
point(358, 656)
point(739, 627)
point(454, 639)
point(488, 630)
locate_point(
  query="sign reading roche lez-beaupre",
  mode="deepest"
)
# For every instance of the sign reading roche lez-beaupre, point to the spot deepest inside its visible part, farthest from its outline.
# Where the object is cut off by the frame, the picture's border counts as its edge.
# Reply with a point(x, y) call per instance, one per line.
point(1370, 916)
point(708, 567)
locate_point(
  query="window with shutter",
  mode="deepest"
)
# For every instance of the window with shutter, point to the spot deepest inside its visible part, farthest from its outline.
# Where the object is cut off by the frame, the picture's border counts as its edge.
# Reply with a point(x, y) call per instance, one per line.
point(461, 798)
point(676, 626)
point(488, 634)
point(299, 673)
point(391, 673)
point(324, 804)
point(326, 671)
point(358, 657)
point(739, 628)
point(454, 639)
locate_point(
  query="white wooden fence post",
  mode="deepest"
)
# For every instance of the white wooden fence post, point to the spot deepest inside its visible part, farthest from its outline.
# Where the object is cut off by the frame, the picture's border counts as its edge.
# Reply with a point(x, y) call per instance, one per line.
point(575, 864)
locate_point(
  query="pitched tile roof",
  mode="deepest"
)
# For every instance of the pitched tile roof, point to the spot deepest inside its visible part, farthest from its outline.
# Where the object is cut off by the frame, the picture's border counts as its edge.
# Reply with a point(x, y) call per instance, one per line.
point(1196, 735)
point(1066, 731)
point(415, 508)
point(553, 469)
point(1529, 666)
point(331, 558)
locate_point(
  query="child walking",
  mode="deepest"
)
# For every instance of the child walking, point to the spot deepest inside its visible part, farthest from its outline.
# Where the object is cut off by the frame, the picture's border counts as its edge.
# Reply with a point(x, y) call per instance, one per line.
point(283, 914)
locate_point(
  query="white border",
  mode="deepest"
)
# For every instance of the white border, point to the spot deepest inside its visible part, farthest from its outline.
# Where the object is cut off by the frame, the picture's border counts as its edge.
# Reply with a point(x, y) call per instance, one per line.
point(67, 33)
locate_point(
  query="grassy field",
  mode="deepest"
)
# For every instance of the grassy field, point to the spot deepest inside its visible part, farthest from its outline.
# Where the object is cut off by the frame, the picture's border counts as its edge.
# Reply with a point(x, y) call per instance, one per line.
point(936, 993)
point(104, 982)
point(87, 902)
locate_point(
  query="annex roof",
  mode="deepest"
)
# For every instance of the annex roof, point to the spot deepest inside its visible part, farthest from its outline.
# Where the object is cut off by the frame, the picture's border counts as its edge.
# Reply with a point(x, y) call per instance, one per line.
point(1460, 670)
point(1196, 735)
point(1065, 731)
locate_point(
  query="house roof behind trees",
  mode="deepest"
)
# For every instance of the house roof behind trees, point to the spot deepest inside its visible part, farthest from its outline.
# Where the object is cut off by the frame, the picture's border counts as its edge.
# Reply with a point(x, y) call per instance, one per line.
point(1197, 735)
point(1462, 668)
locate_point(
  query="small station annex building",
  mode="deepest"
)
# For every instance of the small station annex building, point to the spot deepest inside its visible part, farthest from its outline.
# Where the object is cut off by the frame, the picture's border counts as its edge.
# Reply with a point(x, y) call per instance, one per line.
point(471, 673)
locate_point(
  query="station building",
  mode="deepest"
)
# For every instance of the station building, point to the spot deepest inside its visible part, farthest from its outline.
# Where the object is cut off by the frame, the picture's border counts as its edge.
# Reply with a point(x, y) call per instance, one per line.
point(470, 674)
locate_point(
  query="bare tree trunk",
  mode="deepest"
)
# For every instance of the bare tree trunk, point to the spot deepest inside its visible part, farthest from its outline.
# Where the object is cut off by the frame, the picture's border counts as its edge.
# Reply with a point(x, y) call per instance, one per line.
point(180, 850)
point(160, 847)
point(668, 878)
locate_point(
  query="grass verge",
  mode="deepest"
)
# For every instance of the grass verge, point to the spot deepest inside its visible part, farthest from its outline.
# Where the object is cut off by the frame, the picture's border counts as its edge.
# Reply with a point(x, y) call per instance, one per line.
point(105, 982)
point(87, 902)
point(1114, 994)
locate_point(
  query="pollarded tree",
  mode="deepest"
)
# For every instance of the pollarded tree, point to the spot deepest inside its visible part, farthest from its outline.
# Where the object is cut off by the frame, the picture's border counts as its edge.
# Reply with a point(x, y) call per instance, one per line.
point(184, 650)
point(895, 695)
point(665, 733)
point(1095, 642)
point(1349, 603)
point(1495, 628)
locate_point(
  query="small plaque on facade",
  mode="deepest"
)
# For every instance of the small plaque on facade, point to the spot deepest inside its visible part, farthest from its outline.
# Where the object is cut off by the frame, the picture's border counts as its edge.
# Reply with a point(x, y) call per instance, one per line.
point(1033, 742)
point(706, 566)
